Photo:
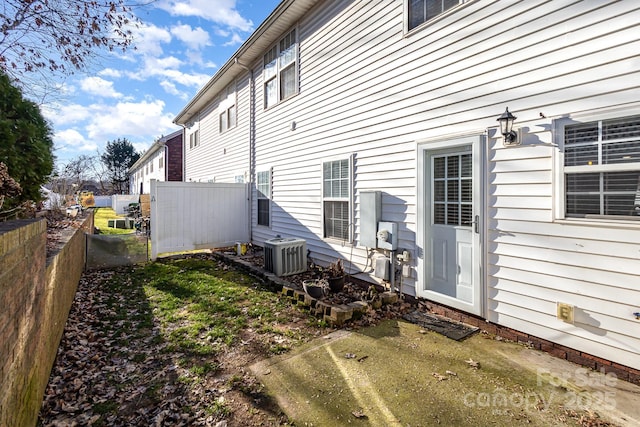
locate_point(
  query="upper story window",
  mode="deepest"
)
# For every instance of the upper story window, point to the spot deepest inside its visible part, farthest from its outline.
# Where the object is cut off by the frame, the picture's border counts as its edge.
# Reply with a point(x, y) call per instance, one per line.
point(602, 168)
point(227, 108)
point(194, 139)
point(160, 162)
point(421, 11)
point(281, 70)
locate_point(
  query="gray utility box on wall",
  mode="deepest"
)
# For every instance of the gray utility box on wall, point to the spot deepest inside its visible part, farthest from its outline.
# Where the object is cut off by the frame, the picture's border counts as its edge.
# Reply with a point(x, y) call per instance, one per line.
point(370, 214)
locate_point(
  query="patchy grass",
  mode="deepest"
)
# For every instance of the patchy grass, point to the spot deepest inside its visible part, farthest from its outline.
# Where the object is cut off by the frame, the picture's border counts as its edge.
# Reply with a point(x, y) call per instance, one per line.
point(203, 307)
point(101, 220)
point(168, 343)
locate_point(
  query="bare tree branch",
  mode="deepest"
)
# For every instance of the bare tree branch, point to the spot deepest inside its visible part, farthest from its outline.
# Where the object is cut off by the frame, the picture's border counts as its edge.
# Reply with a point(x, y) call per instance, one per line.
point(60, 37)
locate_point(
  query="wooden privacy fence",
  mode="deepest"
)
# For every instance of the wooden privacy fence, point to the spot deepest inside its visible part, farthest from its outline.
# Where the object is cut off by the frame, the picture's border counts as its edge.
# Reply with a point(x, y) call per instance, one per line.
point(188, 215)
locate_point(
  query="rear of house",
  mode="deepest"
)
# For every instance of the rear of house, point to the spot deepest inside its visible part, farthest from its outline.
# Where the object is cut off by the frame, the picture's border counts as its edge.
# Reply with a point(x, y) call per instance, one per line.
point(162, 162)
point(348, 114)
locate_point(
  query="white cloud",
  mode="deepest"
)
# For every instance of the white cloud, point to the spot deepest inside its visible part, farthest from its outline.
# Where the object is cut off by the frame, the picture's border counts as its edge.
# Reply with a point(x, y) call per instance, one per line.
point(100, 87)
point(110, 72)
point(141, 147)
point(171, 89)
point(219, 11)
point(236, 39)
point(156, 66)
point(148, 39)
point(135, 120)
point(221, 32)
point(72, 140)
point(195, 38)
point(196, 80)
point(62, 115)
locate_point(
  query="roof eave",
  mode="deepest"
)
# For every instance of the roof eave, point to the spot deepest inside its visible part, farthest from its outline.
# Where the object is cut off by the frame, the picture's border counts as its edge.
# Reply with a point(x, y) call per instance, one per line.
point(285, 15)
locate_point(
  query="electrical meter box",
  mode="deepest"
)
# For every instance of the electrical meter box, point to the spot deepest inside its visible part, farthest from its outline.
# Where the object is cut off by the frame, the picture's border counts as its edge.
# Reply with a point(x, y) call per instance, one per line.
point(370, 213)
point(387, 235)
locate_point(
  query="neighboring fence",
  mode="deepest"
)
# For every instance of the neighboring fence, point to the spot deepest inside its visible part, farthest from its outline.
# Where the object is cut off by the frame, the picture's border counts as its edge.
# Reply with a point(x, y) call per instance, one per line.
point(188, 215)
point(105, 251)
point(120, 202)
point(102, 201)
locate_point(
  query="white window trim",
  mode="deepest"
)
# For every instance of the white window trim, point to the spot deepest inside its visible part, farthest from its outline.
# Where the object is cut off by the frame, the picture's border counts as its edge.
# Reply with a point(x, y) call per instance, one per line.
point(227, 103)
point(407, 31)
point(558, 126)
point(351, 161)
point(269, 197)
point(194, 139)
point(278, 70)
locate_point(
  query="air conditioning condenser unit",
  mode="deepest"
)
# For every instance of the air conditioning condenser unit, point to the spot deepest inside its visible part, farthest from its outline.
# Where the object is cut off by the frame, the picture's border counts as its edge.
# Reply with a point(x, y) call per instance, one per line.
point(285, 256)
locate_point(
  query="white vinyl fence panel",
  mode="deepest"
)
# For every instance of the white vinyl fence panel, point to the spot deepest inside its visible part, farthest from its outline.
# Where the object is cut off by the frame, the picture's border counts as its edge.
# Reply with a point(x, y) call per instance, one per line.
point(188, 215)
point(102, 201)
point(120, 202)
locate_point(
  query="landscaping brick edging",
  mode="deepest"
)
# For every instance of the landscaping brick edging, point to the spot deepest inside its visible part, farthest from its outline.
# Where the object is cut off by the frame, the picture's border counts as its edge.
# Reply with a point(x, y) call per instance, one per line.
point(587, 360)
point(335, 314)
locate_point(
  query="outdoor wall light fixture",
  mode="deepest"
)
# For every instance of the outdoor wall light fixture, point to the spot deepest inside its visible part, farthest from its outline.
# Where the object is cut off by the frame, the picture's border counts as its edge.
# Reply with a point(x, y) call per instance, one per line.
point(506, 128)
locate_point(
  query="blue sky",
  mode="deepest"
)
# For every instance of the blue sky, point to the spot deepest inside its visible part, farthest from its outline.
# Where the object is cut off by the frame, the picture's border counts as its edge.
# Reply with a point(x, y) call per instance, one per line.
point(179, 46)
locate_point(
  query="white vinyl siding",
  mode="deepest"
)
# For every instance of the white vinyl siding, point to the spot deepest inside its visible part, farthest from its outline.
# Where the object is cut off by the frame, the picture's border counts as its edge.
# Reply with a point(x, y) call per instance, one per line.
point(602, 168)
point(223, 155)
point(280, 70)
point(140, 176)
point(377, 94)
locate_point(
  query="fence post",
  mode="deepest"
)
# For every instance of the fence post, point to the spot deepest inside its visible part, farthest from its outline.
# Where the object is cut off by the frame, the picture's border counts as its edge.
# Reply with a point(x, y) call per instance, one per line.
point(153, 206)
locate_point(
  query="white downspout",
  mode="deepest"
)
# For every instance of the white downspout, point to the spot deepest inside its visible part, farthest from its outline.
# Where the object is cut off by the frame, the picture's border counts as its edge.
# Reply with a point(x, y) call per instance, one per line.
point(252, 138)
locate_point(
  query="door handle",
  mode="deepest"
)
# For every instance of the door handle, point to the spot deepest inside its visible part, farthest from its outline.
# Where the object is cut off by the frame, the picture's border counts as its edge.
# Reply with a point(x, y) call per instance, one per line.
point(475, 222)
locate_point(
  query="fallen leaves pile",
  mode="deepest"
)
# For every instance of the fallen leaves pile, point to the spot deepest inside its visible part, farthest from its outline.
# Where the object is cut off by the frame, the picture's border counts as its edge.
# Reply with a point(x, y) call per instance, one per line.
point(57, 222)
point(114, 368)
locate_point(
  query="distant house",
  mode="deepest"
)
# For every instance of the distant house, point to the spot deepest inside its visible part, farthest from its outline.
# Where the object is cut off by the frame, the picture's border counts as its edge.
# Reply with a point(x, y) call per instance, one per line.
point(162, 161)
point(354, 117)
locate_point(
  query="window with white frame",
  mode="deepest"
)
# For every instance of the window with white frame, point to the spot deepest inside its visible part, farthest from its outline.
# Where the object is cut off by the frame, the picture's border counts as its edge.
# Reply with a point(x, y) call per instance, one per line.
point(227, 108)
point(280, 70)
point(151, 167)
point(602, 168)
point(160, 162)
point(420, 11)
point(336, 199)
point(194, 139)
point(263, 186)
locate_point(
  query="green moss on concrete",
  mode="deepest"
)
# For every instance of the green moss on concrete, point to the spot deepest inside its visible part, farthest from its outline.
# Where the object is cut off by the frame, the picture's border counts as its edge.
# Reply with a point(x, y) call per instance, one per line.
point(397, 374)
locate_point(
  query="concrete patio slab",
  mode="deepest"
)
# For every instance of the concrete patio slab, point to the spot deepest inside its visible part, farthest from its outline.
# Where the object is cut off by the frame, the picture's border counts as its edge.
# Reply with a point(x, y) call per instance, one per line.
point(398, 374)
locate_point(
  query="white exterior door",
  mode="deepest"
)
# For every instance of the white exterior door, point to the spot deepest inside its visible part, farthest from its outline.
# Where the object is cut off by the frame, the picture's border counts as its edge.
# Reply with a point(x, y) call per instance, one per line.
point(450, 223)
